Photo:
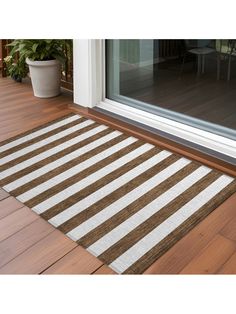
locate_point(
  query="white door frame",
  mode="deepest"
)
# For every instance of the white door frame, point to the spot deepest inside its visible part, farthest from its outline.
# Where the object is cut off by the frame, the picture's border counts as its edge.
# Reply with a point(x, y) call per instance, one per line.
point(89, 91)
point(88, 62)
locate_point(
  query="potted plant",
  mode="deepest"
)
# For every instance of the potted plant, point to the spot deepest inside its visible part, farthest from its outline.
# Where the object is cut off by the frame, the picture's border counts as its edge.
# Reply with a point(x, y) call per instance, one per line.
point(44, 58)
point(16, 69)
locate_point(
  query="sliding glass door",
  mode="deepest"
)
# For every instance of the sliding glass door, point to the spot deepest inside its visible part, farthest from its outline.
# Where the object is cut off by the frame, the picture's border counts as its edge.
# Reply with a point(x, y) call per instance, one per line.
point(189, 81)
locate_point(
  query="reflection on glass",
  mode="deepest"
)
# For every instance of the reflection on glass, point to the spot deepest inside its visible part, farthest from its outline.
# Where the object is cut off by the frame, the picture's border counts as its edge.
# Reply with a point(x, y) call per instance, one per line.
point(181, 79)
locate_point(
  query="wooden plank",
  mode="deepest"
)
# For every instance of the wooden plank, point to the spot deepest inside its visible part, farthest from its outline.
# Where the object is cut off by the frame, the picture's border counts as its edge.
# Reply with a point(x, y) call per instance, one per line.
point(18, 128)
point(3, 194)
point(229, 267)
point(8, 206)
point(16, 221)
point(104, 270)
point(174, 260)
point(41, 255)
point(78, 261)
point(211, 258)
point(229, 230)
point(21, 111)
point(23, 239)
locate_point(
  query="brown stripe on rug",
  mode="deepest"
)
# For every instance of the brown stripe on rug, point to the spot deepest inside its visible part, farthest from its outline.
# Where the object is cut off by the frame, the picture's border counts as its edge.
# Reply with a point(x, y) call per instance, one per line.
point(53, 157)
point(151, 256)
point(134, 207)
point(124, 200)
point(156, 219)
point(41, 137)
point(81, 175)
point(35, 129)
point(58, 208)
point(47, 147)
point(111, 198)
point(22, 189)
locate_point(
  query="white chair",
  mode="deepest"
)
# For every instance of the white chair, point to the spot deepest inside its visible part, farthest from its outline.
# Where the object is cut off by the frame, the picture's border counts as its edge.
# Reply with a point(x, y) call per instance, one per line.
point(200, 49)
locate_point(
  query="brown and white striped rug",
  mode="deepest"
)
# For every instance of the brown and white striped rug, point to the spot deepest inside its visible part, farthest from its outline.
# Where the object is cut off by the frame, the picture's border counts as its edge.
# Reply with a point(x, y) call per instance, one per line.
point(124, 200)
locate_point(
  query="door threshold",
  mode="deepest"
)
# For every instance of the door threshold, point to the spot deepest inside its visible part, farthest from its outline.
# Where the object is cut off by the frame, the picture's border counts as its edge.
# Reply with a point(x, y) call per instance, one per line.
point(164, 140)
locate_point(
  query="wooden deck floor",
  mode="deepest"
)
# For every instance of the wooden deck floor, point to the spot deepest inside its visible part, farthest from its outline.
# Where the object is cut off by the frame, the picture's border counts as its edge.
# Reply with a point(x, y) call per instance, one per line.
point(28, 244)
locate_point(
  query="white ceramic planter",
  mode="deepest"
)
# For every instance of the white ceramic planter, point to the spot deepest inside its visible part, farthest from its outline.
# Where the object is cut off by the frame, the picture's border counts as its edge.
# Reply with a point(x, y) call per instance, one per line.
point(45, 77)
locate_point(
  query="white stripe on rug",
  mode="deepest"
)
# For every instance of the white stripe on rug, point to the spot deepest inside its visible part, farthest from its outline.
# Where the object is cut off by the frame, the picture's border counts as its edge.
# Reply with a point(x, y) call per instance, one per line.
point(105, 190)
point(135, 220)
point(50, 152)
point(44, 142)
point(61, 161)
point(38, 133)
point(90, 224)
point(61, 196)
point(134, 253)
point(74, 170)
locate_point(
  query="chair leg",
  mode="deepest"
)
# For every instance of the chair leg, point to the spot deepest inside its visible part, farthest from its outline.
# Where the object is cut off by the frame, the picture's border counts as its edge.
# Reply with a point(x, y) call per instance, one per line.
point(218, 67)
point(182, 66)
point(199, 65)
point(229, 69)
point(203, 64)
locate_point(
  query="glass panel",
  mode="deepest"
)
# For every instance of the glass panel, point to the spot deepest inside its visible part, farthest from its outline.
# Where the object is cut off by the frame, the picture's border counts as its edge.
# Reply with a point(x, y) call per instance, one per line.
point(191, 81)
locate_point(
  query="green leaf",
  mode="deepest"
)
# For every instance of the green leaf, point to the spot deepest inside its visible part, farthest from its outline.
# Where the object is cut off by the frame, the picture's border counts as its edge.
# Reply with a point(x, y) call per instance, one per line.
point(34, 47)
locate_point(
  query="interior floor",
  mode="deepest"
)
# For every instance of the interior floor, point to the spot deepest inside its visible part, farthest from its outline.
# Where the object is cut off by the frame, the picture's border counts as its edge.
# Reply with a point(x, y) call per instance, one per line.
point(176, 86)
